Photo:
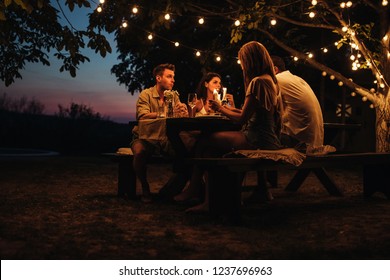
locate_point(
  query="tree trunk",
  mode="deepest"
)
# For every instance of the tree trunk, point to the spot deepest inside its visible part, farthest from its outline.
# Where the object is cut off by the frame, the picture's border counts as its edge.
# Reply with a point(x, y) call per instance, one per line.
point(383, 124)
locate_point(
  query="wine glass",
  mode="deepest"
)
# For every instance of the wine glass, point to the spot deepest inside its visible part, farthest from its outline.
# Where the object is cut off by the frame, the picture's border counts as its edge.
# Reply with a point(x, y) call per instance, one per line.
point(192, 99)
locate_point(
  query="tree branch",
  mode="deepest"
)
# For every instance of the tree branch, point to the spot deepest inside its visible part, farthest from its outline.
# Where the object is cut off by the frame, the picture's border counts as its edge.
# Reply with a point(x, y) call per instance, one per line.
point(347, 82)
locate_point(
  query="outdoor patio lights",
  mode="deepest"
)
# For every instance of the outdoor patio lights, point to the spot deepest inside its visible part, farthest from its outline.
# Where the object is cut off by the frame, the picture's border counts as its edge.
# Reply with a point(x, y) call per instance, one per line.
point(344, 5)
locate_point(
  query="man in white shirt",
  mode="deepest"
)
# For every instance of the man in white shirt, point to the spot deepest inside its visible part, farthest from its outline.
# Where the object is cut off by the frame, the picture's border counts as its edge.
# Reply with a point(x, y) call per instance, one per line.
point(303, 125)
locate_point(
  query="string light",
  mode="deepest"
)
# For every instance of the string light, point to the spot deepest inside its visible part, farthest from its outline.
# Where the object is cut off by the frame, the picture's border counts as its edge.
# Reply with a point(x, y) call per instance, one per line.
point(355, 65)
point(364, 98)
point(340, 84)
point(353, 93)
point(238, 61)
point(324, 73)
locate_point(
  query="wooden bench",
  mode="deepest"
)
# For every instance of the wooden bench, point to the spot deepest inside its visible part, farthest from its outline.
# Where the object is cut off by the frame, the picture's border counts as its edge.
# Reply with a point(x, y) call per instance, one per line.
point(126, 175)
point(225, 176)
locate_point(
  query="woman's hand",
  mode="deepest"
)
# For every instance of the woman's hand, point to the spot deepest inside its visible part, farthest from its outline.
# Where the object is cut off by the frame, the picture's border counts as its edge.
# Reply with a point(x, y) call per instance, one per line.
point(230, 100)
point(215, 105)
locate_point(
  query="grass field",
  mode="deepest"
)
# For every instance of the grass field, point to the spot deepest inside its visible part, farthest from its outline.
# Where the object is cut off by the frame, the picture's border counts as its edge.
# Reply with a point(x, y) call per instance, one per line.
point(67, 208)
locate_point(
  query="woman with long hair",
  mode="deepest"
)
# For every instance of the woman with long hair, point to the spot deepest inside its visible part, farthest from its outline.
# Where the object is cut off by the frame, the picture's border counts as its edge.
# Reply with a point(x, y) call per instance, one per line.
point(260, 117)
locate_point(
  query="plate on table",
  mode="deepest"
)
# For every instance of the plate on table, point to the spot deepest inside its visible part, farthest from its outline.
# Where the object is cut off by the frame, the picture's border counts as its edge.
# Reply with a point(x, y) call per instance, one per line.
point(214, 116)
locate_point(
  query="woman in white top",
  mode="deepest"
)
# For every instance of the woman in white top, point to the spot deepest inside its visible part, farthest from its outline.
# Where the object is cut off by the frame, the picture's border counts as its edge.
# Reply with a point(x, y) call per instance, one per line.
point(210, 82)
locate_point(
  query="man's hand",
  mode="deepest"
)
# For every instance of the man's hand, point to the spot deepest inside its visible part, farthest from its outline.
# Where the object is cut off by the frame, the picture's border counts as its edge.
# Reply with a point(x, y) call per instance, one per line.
point(180, 110)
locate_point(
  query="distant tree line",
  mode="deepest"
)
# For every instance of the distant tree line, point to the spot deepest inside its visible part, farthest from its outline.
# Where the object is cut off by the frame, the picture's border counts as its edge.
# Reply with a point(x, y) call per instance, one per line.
point(35, 107)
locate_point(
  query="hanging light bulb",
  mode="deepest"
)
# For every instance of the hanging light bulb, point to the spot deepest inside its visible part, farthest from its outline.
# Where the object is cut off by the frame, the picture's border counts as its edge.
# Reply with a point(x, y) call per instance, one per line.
point(349, 4)
point(197, 53)
point(295, 58)
point(314, 2)
point(273, 21)
point(167, 16)
point(134, 10)
point(325, 50)
point(342, 5)
point(364, 98)
point(237, 23)
point(150, 37)
point(101, 1)
point(352, 57)
point(124, 24)
point(201, 21)
point(238, 61)
point(312, 14)
point(344, 29)
point(340, 84)
point(99, 9)
point(385, 3)
point(353, 93)
point(331, 77)
point(324, 73)
point(177, 44)
point(310, 55)
point(372, 106)
point(218, 58)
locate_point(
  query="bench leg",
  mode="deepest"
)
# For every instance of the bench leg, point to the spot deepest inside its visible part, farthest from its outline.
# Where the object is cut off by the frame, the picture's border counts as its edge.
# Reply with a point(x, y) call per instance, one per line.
point(126, 179)
point(297, 180)
point(376, 178)
point(327, 182)
point(272, 178)
point(225, 193)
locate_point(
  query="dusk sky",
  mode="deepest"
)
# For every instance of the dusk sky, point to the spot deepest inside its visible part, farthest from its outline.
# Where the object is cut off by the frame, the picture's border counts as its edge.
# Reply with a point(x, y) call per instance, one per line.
point(93, 86)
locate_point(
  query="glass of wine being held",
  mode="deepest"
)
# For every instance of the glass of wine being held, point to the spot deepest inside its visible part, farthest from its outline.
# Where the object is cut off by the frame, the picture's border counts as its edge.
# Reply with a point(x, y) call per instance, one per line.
point(192, 99)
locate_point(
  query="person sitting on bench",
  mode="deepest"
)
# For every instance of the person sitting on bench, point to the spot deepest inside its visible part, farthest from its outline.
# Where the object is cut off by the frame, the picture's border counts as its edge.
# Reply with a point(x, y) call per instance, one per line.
point(260, 117)
point(148, 102)
point(303, 125)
